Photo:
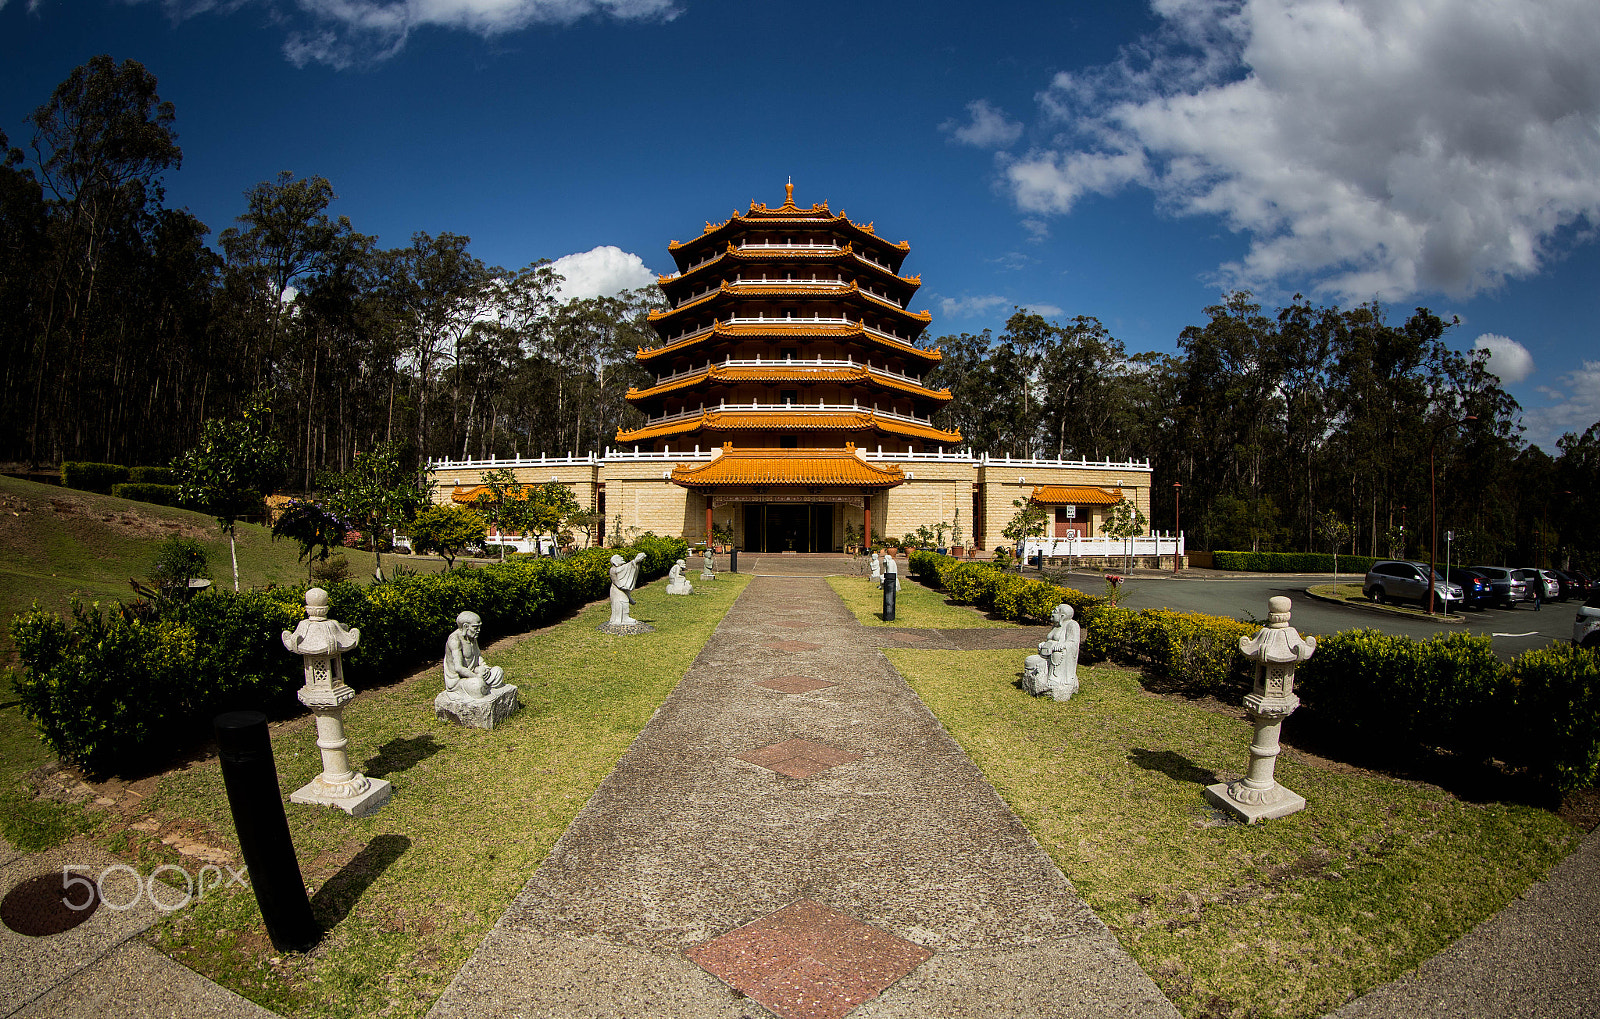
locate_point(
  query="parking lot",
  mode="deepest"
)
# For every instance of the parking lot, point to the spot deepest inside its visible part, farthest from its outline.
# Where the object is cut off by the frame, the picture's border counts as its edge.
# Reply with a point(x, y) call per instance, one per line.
point(1513, 630)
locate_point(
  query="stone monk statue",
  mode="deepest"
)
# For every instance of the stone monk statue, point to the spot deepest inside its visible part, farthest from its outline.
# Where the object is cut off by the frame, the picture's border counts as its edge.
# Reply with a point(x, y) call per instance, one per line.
point(464, 670)
point(624, 578)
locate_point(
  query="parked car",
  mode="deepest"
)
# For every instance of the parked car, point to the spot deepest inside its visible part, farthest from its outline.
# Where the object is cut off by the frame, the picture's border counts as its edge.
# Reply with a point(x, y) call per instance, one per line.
point(1476, 591)
point(1508, 588)
point(1405, 581)
point(1584, 581)
point(1555, 588)
point(1586, 627)
point(1538, 586)
point(1571, 586)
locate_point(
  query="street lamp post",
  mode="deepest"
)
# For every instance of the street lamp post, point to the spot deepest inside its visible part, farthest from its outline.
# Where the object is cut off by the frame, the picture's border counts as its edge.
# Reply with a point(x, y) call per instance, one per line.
point(1177, 524)
point(1433, 507)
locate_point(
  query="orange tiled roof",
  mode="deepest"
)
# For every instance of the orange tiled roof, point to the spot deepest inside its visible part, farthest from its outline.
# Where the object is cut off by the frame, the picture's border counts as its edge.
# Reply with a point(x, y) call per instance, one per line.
point(836, 467)
point(789, 327)
point(847, 252)
point(787, 372)
point(1082, 495)
point(469, 495)
point(862, 420)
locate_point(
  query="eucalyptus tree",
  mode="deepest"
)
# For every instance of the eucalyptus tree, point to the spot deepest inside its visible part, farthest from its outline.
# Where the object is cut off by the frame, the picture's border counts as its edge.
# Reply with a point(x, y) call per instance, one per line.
point(100, 145)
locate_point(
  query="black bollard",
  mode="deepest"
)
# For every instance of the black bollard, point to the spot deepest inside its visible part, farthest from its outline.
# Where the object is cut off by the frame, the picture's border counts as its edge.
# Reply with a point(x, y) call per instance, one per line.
point(891, 581)
point(251, 778)
point(733, 561)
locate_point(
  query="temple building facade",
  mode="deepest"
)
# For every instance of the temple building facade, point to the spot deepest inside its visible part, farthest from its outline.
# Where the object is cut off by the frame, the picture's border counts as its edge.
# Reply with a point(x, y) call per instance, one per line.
point(791, 409)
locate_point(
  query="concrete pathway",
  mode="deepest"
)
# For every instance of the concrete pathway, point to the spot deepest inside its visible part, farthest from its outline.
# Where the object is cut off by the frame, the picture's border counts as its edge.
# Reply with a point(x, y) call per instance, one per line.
point(844, 808)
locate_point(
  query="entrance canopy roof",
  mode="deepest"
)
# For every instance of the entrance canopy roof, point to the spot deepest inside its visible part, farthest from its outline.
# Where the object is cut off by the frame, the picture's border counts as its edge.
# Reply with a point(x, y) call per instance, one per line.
point(813, 467)
point(1076, 495)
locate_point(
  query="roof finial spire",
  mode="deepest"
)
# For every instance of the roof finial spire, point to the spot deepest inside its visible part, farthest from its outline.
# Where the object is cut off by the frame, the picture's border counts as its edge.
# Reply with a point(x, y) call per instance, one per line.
point(788, 192)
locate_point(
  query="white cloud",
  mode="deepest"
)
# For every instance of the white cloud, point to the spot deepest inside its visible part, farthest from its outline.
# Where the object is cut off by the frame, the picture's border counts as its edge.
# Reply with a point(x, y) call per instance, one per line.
point(344, 33)
point(600, 272)
point(969, 307)
point(988, 128)
point(1366, 147)
point(1575, 406)
point(1508, 359)
point(1047, 310)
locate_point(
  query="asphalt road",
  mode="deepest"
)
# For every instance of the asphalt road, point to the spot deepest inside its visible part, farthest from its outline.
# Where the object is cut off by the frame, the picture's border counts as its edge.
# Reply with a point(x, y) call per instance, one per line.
point(1513, 630)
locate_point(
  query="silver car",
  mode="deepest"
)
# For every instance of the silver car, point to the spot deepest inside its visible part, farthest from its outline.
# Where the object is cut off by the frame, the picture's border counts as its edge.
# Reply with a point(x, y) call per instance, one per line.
point(1505, 586)
point(1405, 581)
point(1586, 627)
point(1540, 584)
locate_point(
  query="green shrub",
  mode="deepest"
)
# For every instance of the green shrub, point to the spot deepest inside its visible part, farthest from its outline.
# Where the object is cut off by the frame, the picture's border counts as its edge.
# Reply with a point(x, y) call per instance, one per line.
point(1554, 695)
point(116, 691)
point(1290, 562)
point(92, 477)
point(138, 491)
point(152, 476)
point(1004, 594)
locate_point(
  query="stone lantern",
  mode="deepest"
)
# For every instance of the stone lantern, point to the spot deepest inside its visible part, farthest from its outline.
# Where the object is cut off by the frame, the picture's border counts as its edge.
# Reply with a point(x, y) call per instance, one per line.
point(1276, 649)
point(320, 641)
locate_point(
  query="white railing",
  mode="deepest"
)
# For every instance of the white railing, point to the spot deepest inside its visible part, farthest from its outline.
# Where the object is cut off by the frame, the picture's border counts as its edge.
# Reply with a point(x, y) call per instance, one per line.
point(939, 454)
point(787, 362)
point(667, 454)
point(753, 407)
point(1149, 545)
point(1008, 460)
point(784, 246)
point(762, 320)
point(445, 464)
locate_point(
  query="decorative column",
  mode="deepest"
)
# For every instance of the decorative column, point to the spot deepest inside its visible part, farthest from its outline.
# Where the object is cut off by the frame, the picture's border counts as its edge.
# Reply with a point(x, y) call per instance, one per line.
point(320, 641)
point(1276, 649)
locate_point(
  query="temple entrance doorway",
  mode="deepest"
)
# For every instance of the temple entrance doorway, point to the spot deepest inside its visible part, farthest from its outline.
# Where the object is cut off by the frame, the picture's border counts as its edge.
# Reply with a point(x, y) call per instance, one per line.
point(788, 527)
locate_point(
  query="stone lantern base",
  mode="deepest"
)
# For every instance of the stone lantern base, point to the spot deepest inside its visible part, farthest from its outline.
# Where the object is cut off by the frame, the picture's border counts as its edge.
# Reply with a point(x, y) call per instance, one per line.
point(355, 803)
point(1280, 802)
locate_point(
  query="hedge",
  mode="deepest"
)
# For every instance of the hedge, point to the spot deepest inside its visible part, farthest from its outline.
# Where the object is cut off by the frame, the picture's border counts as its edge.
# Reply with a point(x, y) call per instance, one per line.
point(1290, 562)
point(1005, 594)
point(153, 475)
point(92, 477)
point(1375, 695)
point(1385, 697)
point(140, 491)
point(118, 690)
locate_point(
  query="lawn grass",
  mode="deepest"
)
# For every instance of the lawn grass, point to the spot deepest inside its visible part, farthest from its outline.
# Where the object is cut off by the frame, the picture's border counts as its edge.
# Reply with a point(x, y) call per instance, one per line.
point(1288, 918)
point(916, 606)
point(62, 543)
point(408, 893)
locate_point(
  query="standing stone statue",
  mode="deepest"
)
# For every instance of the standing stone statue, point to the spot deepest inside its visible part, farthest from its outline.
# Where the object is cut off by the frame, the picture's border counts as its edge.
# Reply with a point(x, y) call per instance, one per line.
point(709, 572)
point(677, 583)
point(1054, 670)
point(876, 570)
point(624, 578)
point(891, 572)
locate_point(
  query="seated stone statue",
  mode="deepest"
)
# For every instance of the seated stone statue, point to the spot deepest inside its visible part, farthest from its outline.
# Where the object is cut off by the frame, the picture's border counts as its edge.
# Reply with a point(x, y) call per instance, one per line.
point(464, 670)
point(677, 583)
point(1054, 670)
point(876, 571)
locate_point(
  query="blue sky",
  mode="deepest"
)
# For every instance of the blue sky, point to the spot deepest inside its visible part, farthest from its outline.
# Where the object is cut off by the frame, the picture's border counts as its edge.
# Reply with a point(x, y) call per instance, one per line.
point(1126, 161)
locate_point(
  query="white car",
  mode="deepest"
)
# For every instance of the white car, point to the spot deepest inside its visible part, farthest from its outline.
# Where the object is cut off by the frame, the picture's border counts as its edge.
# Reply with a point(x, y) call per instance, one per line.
point(1586, 626)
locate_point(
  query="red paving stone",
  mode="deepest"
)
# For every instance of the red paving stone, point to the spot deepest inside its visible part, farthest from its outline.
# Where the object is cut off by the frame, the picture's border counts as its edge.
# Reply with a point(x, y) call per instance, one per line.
point(791, 645)
point(798, 758)
point(807, 961)
point(795, 684)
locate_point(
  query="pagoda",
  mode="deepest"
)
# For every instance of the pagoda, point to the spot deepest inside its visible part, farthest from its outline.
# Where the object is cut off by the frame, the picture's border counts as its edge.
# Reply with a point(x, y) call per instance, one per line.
point(788, 344)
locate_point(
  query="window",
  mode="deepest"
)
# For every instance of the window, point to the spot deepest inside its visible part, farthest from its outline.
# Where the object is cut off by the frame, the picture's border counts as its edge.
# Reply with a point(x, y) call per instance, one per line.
point(788, 442)
point(790, 396)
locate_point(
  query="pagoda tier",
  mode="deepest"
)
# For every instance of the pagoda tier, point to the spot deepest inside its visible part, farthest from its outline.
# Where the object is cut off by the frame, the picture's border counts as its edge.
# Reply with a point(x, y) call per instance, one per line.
point(784, 323)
